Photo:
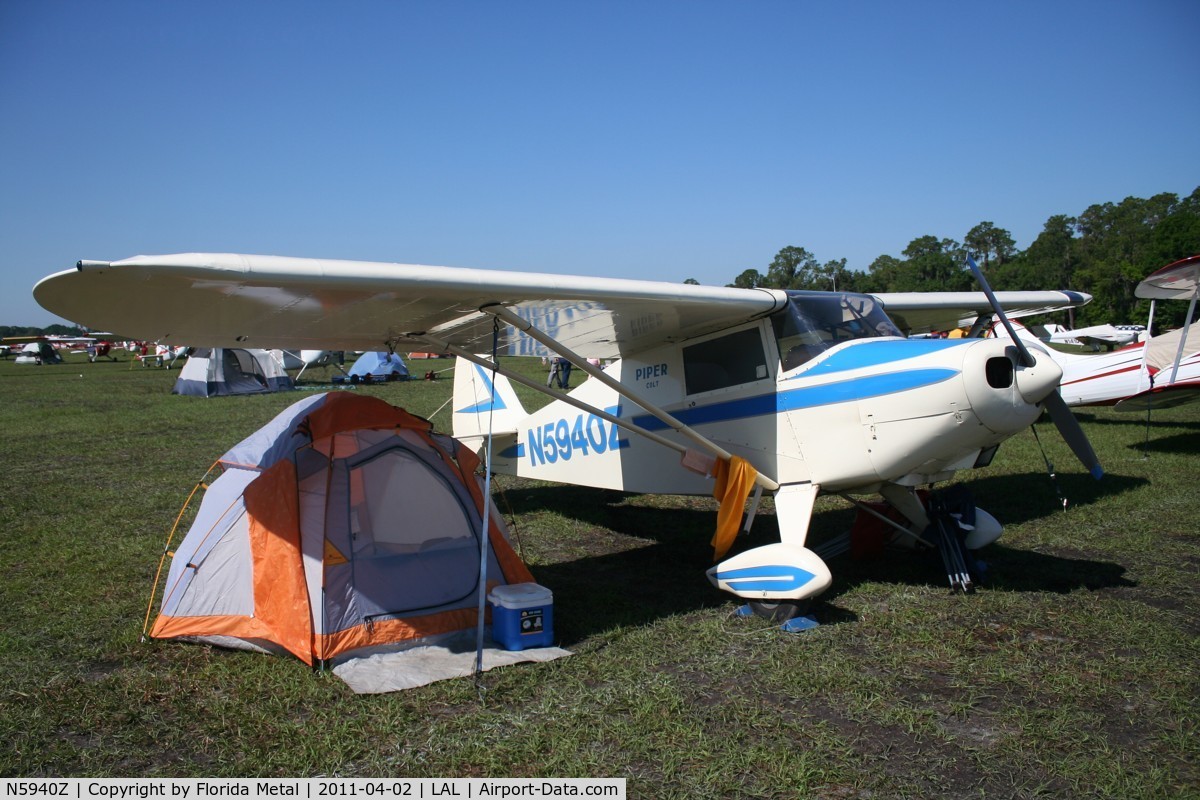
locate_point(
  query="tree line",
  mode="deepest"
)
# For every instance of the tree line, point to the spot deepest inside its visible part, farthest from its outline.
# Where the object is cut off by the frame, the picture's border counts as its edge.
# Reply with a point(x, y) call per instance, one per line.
point(1105, 251)
point(51, 330)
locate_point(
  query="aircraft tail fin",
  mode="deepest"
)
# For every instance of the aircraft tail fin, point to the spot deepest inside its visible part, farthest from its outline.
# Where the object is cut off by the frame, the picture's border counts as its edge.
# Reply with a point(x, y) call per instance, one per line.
point(1030, 338)
point(483, 402)
point(1022, 332)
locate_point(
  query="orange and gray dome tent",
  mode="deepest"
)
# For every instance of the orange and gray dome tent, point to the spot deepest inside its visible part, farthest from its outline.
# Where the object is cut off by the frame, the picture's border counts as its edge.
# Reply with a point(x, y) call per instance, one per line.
point(343, 526)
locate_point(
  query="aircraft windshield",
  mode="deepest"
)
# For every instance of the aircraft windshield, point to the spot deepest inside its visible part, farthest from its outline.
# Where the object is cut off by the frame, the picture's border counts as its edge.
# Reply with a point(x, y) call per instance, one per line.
point(816, 321)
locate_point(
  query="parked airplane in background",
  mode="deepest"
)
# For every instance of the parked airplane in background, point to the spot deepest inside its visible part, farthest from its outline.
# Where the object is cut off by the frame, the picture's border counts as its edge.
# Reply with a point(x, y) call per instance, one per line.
point(794, 392)
point(1094, 336)
point(1161, 372)
point(303, 359)
point(43, 349)
point(100, 348)
point(158, 354)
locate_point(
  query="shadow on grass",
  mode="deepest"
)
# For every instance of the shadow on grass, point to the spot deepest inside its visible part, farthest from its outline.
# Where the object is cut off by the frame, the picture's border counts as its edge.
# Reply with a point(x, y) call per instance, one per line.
point(1022, 497)
point(1008, 569)
point(598, 593)
point(664, 576)
point(1183, 443)
point(652, 568)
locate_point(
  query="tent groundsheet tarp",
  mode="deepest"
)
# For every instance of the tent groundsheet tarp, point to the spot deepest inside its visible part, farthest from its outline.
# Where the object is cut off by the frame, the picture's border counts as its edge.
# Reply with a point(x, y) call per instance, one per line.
point(450, 656)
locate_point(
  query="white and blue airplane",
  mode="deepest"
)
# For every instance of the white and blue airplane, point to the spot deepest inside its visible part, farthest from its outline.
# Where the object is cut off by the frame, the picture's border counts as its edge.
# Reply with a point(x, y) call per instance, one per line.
point(792, 392)
point(1094, 337)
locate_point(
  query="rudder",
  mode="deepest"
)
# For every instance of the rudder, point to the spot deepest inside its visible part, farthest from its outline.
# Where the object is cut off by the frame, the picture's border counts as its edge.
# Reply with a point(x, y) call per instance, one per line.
point(483, 402)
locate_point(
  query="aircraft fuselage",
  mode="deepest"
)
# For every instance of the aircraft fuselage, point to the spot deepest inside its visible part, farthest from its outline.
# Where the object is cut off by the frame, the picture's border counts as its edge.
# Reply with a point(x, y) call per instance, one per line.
point(820, 393)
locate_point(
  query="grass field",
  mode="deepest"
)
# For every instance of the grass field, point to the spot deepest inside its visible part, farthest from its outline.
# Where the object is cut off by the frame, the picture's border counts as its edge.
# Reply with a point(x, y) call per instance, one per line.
point(1073, 674)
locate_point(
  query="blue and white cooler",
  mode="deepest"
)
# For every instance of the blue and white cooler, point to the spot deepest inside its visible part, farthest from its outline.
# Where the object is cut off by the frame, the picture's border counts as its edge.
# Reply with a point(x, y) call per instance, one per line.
point(522, 616)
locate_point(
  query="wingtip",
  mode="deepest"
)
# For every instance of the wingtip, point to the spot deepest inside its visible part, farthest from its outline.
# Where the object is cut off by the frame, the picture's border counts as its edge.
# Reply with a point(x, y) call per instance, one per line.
point(1097, 472)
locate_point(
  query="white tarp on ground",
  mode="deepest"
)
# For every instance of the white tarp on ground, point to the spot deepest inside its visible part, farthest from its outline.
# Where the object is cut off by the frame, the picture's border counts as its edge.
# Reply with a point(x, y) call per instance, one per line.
point(453, 656)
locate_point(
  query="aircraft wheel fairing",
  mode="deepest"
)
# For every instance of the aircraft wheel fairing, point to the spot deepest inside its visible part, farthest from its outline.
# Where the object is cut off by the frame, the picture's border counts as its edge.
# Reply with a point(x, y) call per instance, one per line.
point(987, 530)
point(773, 573)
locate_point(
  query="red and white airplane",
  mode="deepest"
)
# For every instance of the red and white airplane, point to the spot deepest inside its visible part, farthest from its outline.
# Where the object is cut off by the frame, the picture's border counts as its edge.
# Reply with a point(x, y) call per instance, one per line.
point(1161, 372)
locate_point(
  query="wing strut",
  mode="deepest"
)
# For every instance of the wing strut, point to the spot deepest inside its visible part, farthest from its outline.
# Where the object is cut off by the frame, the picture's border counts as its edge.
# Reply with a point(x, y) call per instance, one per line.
point(1143, 372)
point(527, 328)
point(1183, 339)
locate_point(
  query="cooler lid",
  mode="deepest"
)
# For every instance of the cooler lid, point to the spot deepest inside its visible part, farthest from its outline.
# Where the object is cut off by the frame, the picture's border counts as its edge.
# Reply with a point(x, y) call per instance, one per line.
point(523, 594)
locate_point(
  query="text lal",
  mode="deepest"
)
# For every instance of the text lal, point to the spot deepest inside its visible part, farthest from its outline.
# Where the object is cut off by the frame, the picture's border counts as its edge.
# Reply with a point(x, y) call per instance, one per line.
point(528, 790)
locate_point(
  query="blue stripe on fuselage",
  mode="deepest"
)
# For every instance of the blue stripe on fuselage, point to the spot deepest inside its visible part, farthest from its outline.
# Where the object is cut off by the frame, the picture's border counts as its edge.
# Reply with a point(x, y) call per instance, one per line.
point(804, 397)
point(872, 354)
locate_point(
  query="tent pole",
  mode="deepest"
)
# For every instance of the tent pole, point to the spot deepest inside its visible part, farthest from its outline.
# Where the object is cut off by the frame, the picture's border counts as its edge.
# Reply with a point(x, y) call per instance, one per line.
point(487, 521)
point(167, 547)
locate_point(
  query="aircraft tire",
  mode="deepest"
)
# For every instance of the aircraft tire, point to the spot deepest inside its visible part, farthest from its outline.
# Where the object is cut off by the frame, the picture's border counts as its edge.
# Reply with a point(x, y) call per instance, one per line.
point(779, 611)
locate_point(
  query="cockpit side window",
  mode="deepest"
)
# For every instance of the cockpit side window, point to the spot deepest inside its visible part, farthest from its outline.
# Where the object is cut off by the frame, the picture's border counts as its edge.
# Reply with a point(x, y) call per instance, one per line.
point(813, 322)
point(724, 361)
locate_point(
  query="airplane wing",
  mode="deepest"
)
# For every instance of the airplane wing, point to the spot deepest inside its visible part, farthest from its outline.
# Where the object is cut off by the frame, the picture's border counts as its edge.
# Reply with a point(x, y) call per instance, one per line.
point(1104, 339)
point(51, 339)
point(921, 312)
point(1169, 396)
point(1176, 281)
point(227, 300)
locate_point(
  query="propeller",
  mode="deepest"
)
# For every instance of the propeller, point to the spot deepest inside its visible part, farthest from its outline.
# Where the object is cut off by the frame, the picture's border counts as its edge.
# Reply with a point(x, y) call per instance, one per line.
point(1060, 414)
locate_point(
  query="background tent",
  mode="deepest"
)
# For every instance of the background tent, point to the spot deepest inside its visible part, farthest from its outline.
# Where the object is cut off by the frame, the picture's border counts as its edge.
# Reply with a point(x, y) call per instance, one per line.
point(378, 367)
point(38, 353)
point(343, 525)
point(224, 371)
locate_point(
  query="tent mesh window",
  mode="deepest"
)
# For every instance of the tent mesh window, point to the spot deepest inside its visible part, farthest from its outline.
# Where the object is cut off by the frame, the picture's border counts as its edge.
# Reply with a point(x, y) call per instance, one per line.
point(410, 527)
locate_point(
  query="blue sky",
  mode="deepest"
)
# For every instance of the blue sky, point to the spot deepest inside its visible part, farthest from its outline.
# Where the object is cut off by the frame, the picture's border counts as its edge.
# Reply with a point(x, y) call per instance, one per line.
point(666, 141)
